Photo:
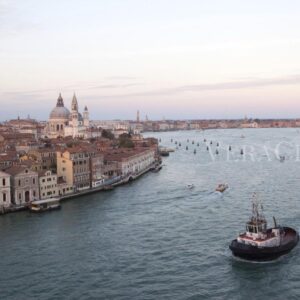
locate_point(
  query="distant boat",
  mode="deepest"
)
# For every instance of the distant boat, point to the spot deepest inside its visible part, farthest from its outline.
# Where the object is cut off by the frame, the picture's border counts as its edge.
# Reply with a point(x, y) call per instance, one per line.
point(195, 151)
point(242, 136)
point(222, 187)
point(282, 158)
point(157, 168)
point(242, 152)
point(190, 186)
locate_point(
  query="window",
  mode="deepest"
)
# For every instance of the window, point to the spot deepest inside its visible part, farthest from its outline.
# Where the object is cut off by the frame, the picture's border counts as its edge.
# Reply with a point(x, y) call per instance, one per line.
point(4, 197)
point(33, 180)
point(19, 182)
point(20, 196)
point(43, 180)
point(3, 182)
point(33, 193)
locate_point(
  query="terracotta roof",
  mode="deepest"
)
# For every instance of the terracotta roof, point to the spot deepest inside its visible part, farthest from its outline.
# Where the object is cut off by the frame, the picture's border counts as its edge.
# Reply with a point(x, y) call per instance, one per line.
point(14, 170)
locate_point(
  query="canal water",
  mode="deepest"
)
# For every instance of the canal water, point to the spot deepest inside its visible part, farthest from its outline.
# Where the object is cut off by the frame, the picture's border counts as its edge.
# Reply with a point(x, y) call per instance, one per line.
point(155, 238)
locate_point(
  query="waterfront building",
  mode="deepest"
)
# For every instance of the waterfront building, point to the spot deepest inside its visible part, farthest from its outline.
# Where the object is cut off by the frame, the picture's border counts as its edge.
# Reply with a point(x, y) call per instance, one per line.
point(132, 161)
point(5, 193)
point(75, 166)
point(97, 169)
point(24, 184)
point(48, 184)
point(63, 187)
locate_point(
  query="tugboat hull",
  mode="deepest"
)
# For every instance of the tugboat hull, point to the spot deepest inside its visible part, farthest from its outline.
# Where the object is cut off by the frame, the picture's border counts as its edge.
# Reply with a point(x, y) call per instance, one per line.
point(290, 239)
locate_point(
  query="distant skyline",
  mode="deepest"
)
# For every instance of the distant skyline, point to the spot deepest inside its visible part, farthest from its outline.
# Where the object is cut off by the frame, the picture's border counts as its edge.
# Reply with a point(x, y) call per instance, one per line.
point(177, 59)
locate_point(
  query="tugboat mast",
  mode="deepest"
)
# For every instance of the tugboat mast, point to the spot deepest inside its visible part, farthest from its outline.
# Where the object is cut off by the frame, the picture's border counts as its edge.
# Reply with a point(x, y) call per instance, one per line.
point(257, 210)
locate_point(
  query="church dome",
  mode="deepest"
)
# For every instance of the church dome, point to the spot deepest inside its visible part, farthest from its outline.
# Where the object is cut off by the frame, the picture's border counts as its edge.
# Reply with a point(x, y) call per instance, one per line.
point(60, 112)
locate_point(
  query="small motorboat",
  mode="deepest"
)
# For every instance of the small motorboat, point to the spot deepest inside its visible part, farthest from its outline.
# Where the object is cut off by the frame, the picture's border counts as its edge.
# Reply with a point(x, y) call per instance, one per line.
point(260, 243)
point(108, 188)
point(222, 187)
point(190, 186)
point(281, 158)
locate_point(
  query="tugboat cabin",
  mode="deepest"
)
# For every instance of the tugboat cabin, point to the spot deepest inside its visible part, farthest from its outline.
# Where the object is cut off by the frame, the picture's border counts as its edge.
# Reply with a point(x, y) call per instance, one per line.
point(257, 233)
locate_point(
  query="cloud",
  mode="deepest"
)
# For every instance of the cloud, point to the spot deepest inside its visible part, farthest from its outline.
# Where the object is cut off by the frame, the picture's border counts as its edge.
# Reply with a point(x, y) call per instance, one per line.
point(227, 85)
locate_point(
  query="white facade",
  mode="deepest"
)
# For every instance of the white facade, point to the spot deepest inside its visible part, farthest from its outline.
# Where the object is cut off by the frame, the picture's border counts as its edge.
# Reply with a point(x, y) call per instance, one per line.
point(137, 163)
point(5, 195)
point(25, 185)
point(48, 185)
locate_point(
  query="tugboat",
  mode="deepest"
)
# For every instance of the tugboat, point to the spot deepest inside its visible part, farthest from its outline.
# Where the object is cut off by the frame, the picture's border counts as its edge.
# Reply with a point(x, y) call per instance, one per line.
point(261, 244)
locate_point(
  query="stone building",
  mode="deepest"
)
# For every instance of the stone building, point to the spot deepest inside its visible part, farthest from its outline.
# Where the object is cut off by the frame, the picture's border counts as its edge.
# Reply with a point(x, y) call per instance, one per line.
point(5, 193)
point(24, 184)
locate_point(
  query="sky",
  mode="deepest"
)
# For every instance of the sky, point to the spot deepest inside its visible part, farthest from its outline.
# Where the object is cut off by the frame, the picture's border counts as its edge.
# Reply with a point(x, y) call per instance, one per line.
point(192, 59)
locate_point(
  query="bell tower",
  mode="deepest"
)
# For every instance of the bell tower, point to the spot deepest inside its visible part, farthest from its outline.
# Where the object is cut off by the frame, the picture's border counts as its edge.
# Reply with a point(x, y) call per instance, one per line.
point(86, 119)
point(75, 115)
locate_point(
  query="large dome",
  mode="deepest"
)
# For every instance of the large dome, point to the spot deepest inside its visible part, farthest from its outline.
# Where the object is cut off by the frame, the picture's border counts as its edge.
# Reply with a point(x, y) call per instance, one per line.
point(60, 112)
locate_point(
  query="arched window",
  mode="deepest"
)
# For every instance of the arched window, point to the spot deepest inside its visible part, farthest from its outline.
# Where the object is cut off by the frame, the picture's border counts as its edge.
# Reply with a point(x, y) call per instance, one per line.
point(61, 127)
point(57, 127)
point(3, 181)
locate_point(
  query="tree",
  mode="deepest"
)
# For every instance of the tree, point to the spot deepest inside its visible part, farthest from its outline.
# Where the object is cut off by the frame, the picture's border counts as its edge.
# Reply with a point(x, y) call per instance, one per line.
point(107, 134)
point(125, 141)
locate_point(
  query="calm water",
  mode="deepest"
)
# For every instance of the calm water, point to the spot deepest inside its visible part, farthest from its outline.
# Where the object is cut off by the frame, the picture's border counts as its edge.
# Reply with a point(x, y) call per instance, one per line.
point(154, 238)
